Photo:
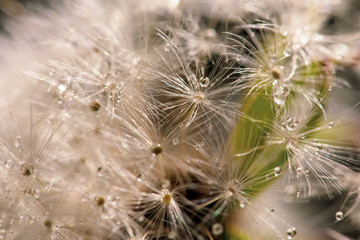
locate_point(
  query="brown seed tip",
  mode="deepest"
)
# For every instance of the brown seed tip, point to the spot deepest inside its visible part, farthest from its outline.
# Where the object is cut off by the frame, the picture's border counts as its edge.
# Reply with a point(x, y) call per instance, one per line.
point(95, 106)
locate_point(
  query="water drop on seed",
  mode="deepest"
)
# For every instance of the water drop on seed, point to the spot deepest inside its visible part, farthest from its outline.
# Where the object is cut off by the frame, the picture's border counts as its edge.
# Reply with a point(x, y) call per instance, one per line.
point(217, 229)
point(277, 171)
point(204, 81)
point(9, 163)
point(339, 216)
point(291, 233)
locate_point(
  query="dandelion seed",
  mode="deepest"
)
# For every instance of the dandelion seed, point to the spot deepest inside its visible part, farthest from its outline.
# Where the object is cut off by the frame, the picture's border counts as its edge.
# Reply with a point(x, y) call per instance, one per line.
point(157, 150)
point(95, 106)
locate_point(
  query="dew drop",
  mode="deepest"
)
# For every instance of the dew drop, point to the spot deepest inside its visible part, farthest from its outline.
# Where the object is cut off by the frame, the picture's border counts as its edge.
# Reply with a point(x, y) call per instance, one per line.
point(175, 141)
point(339, 216)
point(299, 170)
point(331, 124)
point(242, 204)
point(17, 142)
point(165, 183)
point(287, 52)
point(217, 229)
point(120, 95)
point(277, 171)
point(330, 88)
point(167, 47)
point(204, 81)
point(291, 233)
point(171, 235)
point(9, 163)
point(62, 89)
point(307, 172)
point(291, 123)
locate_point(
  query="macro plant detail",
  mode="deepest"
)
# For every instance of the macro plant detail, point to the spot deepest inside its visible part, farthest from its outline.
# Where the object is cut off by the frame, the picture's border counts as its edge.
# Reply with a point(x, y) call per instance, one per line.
point(179, 119)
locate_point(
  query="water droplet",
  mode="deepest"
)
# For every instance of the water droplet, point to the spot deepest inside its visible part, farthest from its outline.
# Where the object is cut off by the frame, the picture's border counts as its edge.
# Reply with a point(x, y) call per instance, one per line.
point(287, 52)
point(331, 124)
point(17, 142)
point(9, 163)
point(167, 47)
point(204, 81)
point(120, 95)
point(277, 171)
point(291, 123)
point(330, 88)
point(175, 141)
point(171, 235)
point(242, 204)
point(271, 210)
point(62, 89)
point(217, 229)
point(291, 233)
point(299, 170)
point(165, 183)
point(307, 172)
point(339, 216)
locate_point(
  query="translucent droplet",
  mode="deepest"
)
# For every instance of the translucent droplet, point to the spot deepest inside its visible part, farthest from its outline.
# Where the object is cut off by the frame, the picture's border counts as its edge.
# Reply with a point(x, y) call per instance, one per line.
point(307, 172)
point(175, 141)
point(120, 95)
point(9, 163)
point(167, 47)
point(210, 33)
point(277, 171)
point(271, 210)
point(217, 229)
point(331, 124)
point(17, 142)
point(242, 204)
point(291, 123)
point(204, 81)
point(299, 170)
point(165, 183)
point(339, 216)
point(62, 89)
point(287, 52)
point(330, 88)
point(171, 235)
point(291, 233)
